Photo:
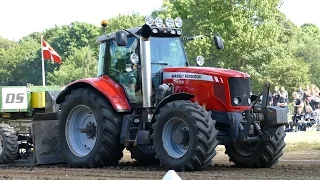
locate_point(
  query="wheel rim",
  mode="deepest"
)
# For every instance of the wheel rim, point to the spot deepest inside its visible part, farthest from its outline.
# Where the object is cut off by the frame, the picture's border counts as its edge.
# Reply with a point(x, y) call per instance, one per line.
point(172, 127)
point(81, 130)
point(247, 149)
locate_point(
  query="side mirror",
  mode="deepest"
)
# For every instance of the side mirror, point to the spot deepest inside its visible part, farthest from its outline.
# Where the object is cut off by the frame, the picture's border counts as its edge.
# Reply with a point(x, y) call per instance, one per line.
point(218, 42)
point(200, 60)
point(121, 38)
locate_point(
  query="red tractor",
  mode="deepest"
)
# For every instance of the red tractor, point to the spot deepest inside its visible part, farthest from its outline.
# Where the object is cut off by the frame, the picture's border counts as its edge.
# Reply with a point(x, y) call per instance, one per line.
point(148, 99)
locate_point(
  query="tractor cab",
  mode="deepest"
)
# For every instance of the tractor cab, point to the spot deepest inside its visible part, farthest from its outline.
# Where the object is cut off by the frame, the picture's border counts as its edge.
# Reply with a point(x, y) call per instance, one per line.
point(120, 56)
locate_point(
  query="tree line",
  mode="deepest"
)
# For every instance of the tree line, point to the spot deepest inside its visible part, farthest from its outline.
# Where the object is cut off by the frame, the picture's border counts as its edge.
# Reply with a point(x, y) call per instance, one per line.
point(258, 39)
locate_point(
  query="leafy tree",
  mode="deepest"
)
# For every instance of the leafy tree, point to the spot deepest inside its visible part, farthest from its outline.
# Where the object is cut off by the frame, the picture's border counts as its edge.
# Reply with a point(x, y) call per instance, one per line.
point(125, 21)
point(15, 69)
point(81, 64)
point(6, 43)
point(82, 57)
point(255, 33)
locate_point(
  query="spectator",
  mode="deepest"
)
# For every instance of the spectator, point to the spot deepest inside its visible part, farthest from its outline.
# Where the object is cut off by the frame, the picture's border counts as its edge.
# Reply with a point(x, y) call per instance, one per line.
point(283, 100)
point(275, 96)
point(309, 117)
point(317, 118)
point(302, 93)
point(297, 103)
point(307, 91)
point(283, 92)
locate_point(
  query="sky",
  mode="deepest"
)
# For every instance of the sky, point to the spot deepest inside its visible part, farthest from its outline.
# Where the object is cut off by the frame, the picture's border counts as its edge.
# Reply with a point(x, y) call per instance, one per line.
point(19, 18)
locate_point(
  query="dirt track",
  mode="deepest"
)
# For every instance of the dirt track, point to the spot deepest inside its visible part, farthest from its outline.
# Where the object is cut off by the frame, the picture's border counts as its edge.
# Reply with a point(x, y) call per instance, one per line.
point(221, 169)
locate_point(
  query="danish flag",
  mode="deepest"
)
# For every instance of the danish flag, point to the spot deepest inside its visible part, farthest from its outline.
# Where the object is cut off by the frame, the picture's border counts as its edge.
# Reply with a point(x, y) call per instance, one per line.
point(48, 53)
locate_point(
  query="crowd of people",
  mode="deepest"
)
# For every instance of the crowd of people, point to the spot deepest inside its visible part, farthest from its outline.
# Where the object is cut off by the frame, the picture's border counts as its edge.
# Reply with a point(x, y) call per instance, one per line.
point(306, 107)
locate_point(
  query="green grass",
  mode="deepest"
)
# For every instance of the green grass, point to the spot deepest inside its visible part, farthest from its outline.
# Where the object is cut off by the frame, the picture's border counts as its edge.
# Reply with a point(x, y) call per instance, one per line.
point(302, 146)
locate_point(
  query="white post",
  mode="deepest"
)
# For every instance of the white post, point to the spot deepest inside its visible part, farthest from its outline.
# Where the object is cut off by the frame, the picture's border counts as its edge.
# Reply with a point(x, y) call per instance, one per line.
point(43, 71)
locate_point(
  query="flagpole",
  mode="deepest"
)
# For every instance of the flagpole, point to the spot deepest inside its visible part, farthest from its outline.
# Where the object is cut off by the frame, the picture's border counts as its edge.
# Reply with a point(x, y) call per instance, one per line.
point(43, 71)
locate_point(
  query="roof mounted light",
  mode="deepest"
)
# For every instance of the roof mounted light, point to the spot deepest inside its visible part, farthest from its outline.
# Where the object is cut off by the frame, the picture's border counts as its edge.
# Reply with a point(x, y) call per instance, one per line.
point(149, 20)
point(178, 22)
point(169, 22)
point(158, 21)
point(104, 23)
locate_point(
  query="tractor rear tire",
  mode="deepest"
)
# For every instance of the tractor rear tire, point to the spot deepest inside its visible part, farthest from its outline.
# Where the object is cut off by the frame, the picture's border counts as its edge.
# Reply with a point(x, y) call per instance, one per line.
point(258, 154)
point(9, 144)
point(85, 108)
point(184, 136)
point(144, 155)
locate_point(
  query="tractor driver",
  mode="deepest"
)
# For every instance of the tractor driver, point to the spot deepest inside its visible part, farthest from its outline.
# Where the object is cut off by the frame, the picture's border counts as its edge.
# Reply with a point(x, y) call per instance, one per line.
point(122, 69)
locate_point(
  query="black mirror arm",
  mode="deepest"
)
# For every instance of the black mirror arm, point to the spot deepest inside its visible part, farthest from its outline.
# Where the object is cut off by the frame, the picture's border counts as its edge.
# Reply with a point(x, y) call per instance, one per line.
point(199, 36)
point(136, 36)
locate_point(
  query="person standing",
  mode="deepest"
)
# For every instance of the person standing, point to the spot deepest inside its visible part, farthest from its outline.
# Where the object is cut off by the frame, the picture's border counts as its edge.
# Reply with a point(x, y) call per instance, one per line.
point(275, 96)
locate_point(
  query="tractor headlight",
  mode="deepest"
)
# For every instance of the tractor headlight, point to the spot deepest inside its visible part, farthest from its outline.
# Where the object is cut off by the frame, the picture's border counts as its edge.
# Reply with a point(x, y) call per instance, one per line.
point(173, 31)
point(158, 21)
point(200, 60)
point(178, 22)
point(155, 31)
point(236, 100)
point(134, 58)
point(169, 22)
point(149, 20)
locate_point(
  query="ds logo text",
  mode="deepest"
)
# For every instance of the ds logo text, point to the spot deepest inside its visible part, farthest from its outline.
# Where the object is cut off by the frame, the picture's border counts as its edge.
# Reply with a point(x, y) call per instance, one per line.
point(14, 98)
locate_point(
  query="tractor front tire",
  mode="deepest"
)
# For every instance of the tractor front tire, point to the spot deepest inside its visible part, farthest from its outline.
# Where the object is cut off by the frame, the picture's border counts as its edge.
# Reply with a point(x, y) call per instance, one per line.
point(257, 154)
point(89, 130)
point(143, 154)
point(9, 143)
point(184, 136)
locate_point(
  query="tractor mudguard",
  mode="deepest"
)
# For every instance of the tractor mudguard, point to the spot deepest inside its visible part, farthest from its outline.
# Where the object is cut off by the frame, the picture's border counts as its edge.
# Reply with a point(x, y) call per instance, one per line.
point(234, 121)
point(172, 97)
point(106, 86)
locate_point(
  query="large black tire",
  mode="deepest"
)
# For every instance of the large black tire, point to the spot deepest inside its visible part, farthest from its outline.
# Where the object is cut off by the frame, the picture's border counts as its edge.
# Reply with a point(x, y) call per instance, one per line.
point(202, 136)
point(107, 149)
point(258, 154)
point(144, 155)
point(9, 143)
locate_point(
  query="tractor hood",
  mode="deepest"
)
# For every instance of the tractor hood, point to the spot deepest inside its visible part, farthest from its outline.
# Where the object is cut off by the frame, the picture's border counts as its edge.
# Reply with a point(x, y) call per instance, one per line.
point(207, 71)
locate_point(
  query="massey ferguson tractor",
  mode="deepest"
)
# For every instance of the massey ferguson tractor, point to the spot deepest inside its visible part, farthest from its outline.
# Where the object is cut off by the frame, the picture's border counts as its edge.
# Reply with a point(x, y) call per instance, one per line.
point(148, 99)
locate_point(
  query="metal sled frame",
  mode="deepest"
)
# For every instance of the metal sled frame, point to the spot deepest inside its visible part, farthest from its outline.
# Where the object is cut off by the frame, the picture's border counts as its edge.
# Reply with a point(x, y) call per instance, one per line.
point(46, 147)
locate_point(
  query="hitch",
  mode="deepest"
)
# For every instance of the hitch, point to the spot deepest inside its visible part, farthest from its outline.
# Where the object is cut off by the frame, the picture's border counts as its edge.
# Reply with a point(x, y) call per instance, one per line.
point(268, 116)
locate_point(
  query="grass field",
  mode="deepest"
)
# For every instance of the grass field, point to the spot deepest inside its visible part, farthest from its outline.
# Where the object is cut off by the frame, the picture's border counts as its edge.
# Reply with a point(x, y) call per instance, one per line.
point(297, 141)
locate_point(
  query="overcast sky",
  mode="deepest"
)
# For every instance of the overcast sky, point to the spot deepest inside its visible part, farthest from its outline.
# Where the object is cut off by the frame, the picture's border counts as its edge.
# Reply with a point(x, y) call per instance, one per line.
point(19, 18)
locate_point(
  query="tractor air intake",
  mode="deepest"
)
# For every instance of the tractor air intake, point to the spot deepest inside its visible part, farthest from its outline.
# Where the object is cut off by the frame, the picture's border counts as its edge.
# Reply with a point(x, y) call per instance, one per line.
point(146, 65)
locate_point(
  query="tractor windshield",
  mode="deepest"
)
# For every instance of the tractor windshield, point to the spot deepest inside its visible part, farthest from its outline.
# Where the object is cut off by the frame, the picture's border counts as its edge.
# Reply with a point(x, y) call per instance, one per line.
point(166, 51)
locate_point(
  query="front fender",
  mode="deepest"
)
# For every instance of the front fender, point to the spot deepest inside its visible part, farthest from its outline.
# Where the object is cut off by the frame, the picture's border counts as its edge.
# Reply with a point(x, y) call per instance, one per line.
point(172, 97)
point(106, 86)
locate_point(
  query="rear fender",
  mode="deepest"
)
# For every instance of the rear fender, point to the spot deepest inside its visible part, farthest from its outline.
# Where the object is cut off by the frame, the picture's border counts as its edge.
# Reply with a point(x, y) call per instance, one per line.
point(106, 86)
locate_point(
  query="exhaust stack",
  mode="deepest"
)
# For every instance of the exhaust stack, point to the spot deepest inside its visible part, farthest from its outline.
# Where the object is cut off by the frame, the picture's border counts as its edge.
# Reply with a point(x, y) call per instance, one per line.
point(145, 53)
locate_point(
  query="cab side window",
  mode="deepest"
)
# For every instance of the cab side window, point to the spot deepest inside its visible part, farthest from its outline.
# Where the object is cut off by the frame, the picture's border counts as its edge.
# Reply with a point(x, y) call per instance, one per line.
point(121, 69)
point(102, 54)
